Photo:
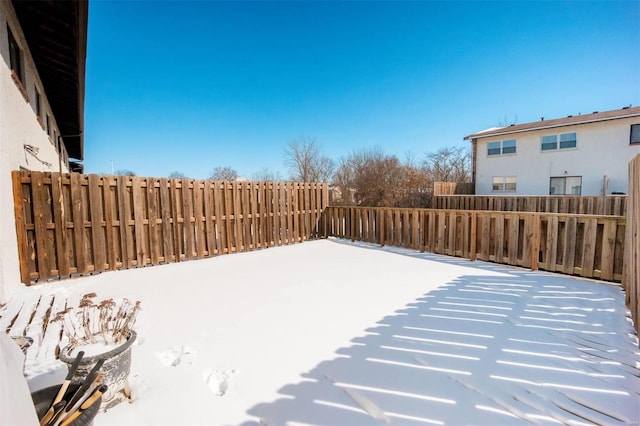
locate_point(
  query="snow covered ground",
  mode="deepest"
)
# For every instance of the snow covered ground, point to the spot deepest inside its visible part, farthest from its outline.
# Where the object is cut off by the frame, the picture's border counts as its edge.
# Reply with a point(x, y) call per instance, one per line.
point(341, 333)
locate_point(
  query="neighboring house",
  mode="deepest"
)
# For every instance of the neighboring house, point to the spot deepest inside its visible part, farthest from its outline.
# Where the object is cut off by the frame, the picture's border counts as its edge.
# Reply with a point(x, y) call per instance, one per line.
point(577, 155)
point(43, 50)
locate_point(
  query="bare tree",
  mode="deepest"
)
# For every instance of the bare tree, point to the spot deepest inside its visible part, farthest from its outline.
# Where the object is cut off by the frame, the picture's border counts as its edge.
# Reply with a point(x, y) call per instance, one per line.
point(306, 163)
point(124, 172)
point(448, 165)
point(266, 175)
point(370, 177)
point(223, 173)
point(177, 175)
point(416, 185)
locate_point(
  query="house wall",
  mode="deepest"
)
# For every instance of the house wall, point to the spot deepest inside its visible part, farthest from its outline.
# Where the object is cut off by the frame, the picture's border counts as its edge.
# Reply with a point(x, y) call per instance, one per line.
point(19, 126)
point(602, 148)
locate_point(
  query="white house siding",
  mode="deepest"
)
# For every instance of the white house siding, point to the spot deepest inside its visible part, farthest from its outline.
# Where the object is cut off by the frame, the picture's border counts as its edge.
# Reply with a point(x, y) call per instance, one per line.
point(19, 127)
point(602, 148)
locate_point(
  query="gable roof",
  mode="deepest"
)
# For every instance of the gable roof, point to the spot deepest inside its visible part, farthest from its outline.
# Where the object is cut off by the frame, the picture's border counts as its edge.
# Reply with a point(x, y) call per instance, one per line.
point(56, 33)
point(558, 122)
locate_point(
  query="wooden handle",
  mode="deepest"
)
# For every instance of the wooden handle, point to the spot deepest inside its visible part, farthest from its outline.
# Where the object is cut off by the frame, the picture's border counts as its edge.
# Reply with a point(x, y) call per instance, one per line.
point(85, 406)
point(67, 380)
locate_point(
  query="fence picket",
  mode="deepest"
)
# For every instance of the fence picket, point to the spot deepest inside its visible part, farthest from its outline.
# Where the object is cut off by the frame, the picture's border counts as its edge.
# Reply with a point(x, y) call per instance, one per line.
point(95, 216)
point(499, 237)
point(209, 233)
point(109, 214)
point(78, 224)
point(570, 245)
point(19, 203)
point(154, 240)
point(589, 249)
point(165, 214)
point(62, 253)
point(138, 221)
point(608, 244)
point(199, 218)
point(175, 215)
point(631, 274)
point(40, 226)
point(220, 223)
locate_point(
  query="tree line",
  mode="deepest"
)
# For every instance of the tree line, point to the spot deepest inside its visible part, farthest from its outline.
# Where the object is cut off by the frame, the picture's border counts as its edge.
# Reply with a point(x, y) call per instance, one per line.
point(365, 177)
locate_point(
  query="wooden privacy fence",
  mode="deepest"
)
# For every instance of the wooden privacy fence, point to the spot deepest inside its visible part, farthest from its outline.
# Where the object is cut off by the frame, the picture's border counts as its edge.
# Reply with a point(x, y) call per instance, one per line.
point(614, 205)
point(76, 224)
point(631, 280)
point(585, 245)
point(444, 188)
point(451, 188)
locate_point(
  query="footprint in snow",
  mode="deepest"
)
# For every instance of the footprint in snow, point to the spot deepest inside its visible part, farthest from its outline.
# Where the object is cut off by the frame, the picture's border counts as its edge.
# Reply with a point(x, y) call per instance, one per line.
point(174, 355)
point(218, 381)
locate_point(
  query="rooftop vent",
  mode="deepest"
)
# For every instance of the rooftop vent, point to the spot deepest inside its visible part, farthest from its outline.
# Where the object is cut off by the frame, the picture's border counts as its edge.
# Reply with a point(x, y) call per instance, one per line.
point(627, 107)
point(595, 112)
point(569, 116)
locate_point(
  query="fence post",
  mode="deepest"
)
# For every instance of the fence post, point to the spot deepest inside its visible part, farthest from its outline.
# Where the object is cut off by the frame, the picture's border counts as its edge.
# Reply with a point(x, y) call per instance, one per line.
point(472, 238)
point(18, 209)
point(381, 227)
point(535, 242)
point(631, 272)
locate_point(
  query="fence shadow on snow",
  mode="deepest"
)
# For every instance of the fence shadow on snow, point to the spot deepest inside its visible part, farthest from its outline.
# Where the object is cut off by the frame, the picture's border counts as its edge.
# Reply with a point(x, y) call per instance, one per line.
point(510, 346)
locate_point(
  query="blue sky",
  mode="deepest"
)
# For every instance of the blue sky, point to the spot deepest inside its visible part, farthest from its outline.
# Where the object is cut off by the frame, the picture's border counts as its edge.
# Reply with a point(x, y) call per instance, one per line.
point(188, 86)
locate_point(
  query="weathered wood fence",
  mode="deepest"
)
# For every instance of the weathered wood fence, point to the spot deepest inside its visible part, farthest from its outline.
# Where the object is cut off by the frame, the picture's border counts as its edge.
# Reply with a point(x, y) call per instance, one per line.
point(585, 245)
point(614, 205)
point(444, 188)
point(631, 280)
point(451, 188)
point(77, 224)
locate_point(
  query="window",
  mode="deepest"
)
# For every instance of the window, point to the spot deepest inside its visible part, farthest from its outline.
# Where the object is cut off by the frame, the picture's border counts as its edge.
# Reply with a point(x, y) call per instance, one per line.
point(565, 185)
point(503, 184)
point(501, 147)
point(48, 125)
point(38, 106)
point(567, 140)
point(493, 148)
point(635, 134)
point(15, 59)
point(550, 142)
point(509, 147)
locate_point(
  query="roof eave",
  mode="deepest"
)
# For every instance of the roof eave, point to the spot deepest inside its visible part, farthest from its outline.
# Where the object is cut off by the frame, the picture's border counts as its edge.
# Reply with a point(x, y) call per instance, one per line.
point(56, 33)
point(549, 126)
point(82, 27)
